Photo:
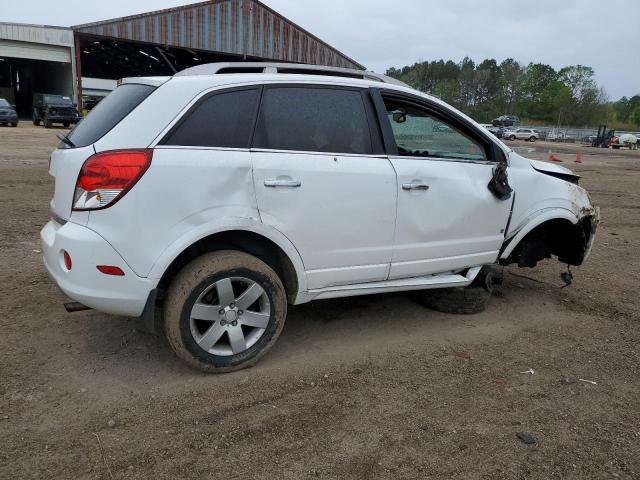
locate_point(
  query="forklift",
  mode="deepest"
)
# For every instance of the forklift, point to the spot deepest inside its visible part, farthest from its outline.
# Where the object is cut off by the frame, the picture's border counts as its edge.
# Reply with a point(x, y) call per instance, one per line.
point(603, 138)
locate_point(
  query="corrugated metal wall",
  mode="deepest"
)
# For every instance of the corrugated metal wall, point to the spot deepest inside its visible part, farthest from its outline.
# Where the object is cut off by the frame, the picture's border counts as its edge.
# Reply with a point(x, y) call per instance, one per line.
point(238, 27)
point(62, 37)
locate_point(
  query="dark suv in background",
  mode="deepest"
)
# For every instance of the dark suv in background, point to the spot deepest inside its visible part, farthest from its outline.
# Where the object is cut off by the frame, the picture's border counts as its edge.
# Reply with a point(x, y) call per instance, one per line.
point(8, 115)
point(50, 109)
point(506, 121)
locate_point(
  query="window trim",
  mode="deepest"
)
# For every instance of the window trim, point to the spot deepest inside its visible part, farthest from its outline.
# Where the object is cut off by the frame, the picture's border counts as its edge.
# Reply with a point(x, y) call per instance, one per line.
point(493, 152)
point(376, 145)
point(184, 117)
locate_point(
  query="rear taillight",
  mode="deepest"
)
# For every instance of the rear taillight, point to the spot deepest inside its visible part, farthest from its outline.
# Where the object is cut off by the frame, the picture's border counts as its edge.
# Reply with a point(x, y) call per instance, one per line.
point(106, 177)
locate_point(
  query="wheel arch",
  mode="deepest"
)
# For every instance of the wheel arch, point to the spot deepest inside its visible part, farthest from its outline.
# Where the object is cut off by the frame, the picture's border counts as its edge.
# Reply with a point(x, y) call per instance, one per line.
point(535, 221)
point(557, 232)
point(271, 247)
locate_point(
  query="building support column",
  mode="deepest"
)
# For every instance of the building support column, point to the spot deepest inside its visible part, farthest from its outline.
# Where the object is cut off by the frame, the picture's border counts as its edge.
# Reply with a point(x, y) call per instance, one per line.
point(77, 71)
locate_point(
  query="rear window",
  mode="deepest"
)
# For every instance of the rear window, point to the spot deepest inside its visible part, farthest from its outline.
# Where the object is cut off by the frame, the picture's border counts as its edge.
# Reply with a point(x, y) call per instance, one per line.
point(222, 120)
point(109, 112)
point(313, 120)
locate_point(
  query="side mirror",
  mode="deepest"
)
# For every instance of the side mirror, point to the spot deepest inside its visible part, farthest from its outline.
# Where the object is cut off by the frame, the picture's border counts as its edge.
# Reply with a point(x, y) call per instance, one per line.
point(399, 116)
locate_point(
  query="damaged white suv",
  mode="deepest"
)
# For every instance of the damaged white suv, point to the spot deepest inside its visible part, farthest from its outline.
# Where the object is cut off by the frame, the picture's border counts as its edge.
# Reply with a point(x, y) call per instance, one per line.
point(209, 201)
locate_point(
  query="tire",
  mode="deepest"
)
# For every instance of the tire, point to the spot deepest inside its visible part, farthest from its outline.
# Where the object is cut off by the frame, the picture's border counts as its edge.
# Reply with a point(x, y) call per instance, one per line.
point(66, 124)
point(532, 139)
point(462, 301)
point(204, 282)
point(36, 122)
point(47, 123)
point(14, 124)
point(512, 138)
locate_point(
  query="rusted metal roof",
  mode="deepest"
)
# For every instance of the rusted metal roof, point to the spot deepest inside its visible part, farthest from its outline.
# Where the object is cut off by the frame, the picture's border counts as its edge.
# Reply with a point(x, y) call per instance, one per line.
point(246, 28)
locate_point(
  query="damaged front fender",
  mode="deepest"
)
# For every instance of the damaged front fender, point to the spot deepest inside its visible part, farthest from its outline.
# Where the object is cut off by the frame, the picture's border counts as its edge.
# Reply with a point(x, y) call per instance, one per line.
point(553, 233)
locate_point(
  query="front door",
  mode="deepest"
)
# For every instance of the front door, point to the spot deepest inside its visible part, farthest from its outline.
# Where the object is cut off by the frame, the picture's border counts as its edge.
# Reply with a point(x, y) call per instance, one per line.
point(448, 219)
point(322, 179)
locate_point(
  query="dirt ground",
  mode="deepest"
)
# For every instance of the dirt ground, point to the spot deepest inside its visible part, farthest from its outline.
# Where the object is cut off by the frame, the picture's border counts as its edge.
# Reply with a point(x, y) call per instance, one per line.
point(372, 387)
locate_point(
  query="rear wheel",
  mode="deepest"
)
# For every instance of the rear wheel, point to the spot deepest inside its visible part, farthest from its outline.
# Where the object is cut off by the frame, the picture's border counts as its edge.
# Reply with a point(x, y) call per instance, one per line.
point(14, 124)
point(66, 124)
point(532, 139)
point(47, 123)
point(224, 311)
point(512, 137)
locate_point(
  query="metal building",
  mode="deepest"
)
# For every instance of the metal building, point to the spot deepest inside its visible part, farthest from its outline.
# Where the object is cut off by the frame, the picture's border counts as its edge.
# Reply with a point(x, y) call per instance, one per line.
point(35, 59)
point(89, 58)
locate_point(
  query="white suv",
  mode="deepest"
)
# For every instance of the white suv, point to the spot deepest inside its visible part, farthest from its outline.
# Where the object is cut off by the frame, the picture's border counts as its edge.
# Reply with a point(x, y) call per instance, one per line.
point(526, 134)
point(209, 201)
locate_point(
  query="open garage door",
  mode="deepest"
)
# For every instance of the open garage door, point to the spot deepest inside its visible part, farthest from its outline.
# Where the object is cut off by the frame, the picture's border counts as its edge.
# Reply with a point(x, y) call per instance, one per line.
point(20, 78)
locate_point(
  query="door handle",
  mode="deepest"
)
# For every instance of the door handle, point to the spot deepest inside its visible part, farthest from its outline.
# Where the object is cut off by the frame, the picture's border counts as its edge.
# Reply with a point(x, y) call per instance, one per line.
point(273, 183)
point(415, 186)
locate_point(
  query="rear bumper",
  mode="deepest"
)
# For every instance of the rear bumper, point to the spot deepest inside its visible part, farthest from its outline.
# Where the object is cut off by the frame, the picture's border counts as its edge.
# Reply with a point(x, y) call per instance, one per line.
point(125, 295)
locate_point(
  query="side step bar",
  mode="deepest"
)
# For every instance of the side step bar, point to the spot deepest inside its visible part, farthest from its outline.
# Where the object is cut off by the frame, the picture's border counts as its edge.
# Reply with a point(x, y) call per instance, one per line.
point(405, 284)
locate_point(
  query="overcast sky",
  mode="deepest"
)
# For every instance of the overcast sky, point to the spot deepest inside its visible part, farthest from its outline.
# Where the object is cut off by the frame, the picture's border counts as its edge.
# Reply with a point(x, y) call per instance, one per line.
point(381, 33)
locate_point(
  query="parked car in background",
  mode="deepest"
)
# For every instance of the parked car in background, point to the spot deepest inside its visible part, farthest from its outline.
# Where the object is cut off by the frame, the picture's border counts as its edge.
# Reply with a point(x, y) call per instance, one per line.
point(208, 202)
point(506, 121)
point(498, 131)
point(8, 114)
point(527, 134)
point(49, 109)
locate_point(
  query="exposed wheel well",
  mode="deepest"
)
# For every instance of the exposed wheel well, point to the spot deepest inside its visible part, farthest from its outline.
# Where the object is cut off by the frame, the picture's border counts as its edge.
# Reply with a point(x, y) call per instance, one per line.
point(244, 241)
point(557, 237)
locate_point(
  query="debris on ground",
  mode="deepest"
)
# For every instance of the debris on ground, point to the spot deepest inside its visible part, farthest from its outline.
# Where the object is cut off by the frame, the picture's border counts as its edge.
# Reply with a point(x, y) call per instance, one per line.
point(528, 372)
point(526, 438)
point(587, 381)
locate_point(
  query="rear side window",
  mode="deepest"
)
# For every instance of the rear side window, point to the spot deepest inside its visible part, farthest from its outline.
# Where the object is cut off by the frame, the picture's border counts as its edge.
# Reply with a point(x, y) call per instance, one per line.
point(109, 112)
point(313, 120)
point(221, 120)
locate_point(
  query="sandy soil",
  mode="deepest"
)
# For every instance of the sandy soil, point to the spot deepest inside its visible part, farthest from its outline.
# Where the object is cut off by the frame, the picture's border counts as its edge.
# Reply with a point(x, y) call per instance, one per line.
point(359, 388)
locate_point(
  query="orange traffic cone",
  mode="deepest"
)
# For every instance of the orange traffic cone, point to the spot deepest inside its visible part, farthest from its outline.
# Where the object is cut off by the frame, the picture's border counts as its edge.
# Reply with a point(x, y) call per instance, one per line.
point(578, 157)
point(553, 158)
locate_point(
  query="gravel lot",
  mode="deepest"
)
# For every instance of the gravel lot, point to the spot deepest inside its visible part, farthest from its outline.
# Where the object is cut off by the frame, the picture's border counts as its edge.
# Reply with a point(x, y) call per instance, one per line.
point(374, 387)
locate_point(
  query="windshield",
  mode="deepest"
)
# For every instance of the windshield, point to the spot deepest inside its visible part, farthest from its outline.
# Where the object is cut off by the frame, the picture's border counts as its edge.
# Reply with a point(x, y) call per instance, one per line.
point(58, 99)
point(4, 103)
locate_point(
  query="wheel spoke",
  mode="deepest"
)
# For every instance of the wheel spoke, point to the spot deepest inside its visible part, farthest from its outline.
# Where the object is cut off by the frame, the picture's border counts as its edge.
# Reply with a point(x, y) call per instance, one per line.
point(254, 319)
point(211, 337)
point(237, 340)
point(225, 292)
point(201, 311)
point(248, 298)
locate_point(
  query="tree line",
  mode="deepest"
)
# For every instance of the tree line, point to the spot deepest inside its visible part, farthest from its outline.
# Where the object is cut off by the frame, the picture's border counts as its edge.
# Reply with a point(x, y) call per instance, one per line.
point(536, 92)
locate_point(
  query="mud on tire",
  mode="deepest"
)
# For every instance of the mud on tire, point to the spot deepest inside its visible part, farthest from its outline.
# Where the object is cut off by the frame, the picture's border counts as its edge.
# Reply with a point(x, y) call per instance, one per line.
point(189, 286)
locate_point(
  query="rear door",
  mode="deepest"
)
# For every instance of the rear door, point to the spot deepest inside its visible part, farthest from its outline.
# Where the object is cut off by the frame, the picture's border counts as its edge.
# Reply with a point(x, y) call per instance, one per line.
point(322, 179)
point(447, 218)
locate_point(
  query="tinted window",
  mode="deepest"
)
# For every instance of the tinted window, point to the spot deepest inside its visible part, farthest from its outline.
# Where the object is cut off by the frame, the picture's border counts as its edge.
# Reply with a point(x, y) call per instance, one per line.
point(221, 120)
point(313, 120)
point(419, 134)
point(108, 113)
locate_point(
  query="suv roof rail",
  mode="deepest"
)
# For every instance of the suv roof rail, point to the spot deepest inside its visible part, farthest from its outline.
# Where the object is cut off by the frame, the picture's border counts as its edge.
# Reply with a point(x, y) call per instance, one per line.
point(285, 68)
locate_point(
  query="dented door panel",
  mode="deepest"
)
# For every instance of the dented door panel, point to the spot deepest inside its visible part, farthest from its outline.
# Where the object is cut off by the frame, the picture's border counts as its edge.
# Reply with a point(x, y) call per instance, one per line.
point(454, 224)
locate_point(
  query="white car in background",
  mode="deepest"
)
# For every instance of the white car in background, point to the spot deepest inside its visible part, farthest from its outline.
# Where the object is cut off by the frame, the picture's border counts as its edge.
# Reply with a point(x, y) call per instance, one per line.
point(208, 202)
point(527, 134)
